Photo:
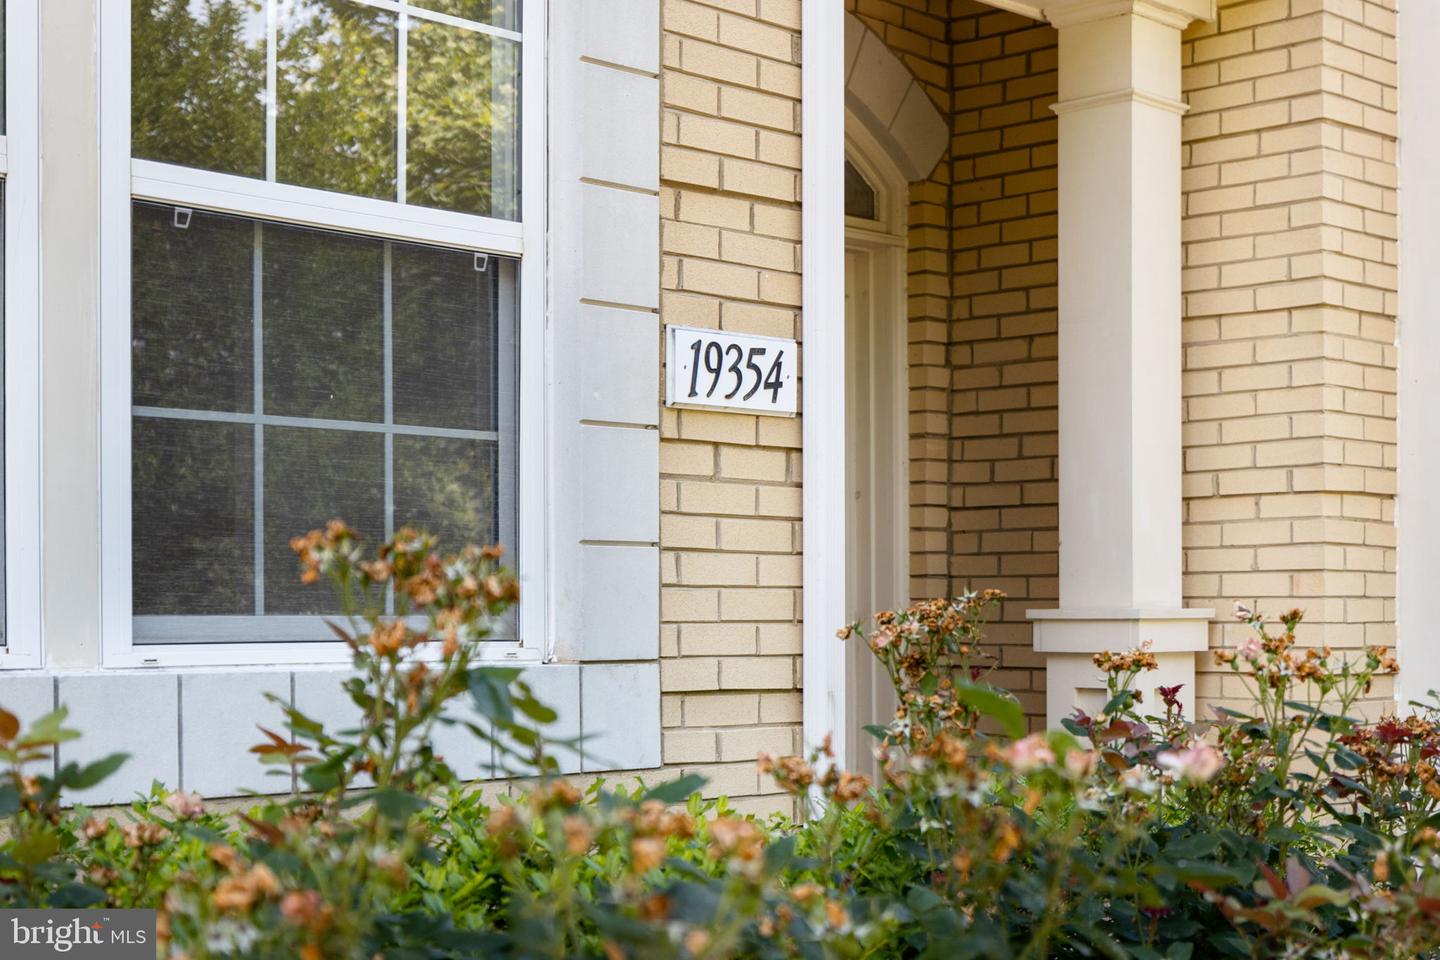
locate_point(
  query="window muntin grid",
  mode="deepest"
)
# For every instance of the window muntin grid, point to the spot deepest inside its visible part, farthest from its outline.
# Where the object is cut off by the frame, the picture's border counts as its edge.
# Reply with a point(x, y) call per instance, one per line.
point(387, 397)
point(388, 99)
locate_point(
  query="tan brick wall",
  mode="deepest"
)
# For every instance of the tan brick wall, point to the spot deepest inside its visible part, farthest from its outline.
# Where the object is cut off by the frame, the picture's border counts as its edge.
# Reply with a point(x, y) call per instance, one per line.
point(1289, 325)
point(917, 32)
point(1004, 488)
point(730, 483)
point(1290, 305)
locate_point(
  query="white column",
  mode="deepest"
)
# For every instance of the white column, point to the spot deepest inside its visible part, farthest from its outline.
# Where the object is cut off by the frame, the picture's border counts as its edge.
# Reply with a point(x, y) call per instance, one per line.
point(1120, 414)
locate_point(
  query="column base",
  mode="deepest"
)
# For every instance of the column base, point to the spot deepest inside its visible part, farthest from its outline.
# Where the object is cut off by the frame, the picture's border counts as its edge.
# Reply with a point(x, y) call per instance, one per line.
point(1071, 637)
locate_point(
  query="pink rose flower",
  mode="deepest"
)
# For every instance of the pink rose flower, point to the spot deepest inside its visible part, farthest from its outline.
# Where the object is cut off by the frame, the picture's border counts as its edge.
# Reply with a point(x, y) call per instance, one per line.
point(1196, 763)
point(1029, 754)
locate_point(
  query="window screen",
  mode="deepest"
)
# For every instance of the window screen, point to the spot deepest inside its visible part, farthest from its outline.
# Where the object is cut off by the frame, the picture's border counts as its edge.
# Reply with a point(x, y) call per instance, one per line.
point(414, 101)
point(282, 376)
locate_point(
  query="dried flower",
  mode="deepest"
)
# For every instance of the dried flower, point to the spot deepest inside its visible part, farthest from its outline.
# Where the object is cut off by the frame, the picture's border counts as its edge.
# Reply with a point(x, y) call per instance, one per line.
point(185, 806)
point(646, 853)
point(578, 835)
point(851, 786)
point(733, 837)
point(144, 834)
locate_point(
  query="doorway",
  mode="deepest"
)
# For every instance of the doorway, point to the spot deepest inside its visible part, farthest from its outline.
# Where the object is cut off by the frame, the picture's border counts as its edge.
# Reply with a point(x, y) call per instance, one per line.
point(876, 430)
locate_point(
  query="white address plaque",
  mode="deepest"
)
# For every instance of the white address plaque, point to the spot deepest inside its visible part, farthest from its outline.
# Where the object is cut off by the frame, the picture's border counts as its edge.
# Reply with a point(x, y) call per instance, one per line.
point(732, 371)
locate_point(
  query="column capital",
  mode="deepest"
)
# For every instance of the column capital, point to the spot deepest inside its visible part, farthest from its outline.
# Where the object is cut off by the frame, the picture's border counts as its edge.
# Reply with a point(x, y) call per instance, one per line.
point(1171, 13)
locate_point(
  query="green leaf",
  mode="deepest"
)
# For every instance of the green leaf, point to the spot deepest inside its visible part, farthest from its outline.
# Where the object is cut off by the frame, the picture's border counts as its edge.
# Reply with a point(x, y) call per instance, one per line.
point(89, 775)
point(325, 775)
point(992, 703)
point(397, 805)
point(1195, 845)
point(1102, 942)
point(491, 695)
point(47, 730)
point(1347, 758)
point(876, 731)
point(1213, 875)
point(1318, 895)
point(677, 790)
point(1350, 784)
point(35, 848)
point(74, 896)
point(780, 854)
point(534, 709)
point(1119, 703)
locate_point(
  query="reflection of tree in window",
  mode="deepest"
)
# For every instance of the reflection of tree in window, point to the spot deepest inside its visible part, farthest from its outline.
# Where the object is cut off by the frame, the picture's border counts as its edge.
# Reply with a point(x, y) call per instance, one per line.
point(336, 69)
point(497, 13)
point(199, 97)
point(198, 90)
point(462, 120)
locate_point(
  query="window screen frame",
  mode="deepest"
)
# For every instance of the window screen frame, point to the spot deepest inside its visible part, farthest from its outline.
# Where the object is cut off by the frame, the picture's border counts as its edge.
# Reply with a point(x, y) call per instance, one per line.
point(124, 179)
point(20, 168)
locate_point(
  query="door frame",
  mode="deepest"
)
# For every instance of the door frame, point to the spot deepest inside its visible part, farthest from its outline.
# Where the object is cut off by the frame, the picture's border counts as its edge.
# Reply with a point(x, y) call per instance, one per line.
point(884, 245)
point(888, 295)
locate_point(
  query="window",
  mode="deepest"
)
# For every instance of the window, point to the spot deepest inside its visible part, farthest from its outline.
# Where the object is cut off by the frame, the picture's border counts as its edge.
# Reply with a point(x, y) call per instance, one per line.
point(315, 296)
point(859, 195)
point(19, 345)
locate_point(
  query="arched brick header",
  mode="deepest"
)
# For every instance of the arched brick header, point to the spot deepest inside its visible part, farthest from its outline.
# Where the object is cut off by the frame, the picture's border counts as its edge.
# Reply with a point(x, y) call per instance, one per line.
point(883, 95)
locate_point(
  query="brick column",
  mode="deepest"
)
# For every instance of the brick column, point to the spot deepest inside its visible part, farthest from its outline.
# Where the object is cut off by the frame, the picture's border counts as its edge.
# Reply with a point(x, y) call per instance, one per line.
point(1120, 467)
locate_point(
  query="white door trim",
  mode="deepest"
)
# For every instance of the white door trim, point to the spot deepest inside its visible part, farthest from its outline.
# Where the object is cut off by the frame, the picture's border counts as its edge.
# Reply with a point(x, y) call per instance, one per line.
point(878, 357)
point(823, 382)
point(1417, 511)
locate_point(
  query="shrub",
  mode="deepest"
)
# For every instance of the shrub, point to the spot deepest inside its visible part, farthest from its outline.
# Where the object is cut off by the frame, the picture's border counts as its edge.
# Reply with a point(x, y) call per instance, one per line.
point(1294, 829)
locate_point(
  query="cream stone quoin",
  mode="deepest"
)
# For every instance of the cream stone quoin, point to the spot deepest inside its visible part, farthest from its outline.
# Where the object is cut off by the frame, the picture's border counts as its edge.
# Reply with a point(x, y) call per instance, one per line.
point(1119, 110)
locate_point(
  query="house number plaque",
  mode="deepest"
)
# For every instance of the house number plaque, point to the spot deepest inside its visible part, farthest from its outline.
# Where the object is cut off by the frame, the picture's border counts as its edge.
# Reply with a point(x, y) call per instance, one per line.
point(729, 371)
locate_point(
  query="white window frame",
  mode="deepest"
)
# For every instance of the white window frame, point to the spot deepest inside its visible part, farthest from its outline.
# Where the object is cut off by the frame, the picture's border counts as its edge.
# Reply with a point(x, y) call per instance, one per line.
point(123, 179)
point(20, 167)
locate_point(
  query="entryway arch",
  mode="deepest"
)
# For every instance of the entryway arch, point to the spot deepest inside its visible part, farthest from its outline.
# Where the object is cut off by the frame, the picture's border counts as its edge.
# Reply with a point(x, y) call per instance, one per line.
point(885, 100)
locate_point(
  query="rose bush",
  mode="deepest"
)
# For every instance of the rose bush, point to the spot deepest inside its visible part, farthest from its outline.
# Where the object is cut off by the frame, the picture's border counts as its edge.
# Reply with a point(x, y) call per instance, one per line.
point(1290, 829)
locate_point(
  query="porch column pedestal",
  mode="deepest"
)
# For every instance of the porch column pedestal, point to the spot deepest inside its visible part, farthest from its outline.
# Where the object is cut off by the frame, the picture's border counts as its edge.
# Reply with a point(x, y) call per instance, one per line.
point(1119, 332)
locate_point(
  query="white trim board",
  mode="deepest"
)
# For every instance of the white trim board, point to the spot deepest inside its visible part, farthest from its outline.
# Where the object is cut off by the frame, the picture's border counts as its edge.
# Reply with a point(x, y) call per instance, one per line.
point(22, 542)
point(823, 386)
point(1417, 513)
